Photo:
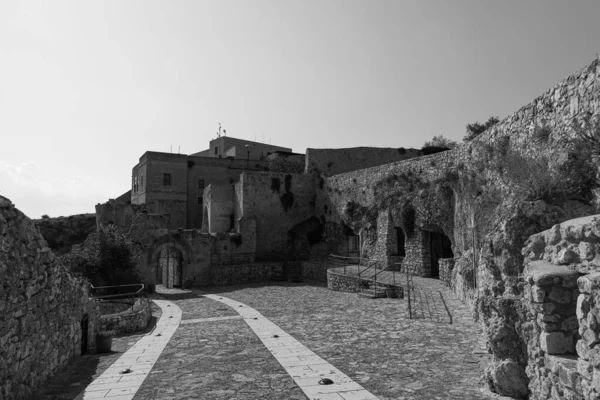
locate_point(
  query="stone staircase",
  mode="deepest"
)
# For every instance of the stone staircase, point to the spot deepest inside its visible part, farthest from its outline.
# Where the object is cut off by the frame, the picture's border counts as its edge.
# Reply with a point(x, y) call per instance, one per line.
point(376, 291)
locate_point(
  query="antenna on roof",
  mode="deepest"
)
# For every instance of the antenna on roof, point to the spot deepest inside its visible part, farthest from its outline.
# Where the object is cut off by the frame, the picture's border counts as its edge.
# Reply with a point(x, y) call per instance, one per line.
point(224, 132)
point(219, 131)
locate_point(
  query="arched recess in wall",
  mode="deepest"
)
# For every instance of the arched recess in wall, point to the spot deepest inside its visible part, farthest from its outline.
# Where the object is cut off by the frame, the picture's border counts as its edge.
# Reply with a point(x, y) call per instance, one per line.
point(169, 257)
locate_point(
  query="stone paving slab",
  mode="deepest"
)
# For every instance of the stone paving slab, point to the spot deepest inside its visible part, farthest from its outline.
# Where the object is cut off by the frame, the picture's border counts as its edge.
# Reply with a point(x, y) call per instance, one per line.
point(374, 343)
point(218, 360)
point(276, 340)
point(137, 361)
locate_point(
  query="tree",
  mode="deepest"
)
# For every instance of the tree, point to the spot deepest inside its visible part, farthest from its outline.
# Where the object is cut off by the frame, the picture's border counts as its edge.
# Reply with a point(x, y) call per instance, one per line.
point(475, 129)
point(441, 141)
point(105, 259)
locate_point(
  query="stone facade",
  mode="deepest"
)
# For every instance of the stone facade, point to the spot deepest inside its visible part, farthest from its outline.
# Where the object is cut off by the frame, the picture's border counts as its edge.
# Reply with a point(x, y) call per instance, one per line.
point(588, 349)
point(42, 308)
point(134, 319)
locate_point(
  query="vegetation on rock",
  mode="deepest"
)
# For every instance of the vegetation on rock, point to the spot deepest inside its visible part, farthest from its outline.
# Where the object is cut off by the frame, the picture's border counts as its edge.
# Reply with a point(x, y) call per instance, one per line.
point(105, 259)
point(475, 129)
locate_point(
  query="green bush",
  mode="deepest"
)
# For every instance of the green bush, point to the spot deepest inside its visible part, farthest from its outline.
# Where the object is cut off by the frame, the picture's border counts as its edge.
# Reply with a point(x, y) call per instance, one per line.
point(105, 259)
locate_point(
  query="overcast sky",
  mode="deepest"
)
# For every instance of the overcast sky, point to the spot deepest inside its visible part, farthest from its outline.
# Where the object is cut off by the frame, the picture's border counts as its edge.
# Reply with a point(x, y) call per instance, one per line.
point(86, 87)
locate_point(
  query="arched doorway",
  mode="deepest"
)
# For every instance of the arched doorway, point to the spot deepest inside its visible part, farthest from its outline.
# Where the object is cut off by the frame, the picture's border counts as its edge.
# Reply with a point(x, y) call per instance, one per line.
point(169, 267)
point(440, 246)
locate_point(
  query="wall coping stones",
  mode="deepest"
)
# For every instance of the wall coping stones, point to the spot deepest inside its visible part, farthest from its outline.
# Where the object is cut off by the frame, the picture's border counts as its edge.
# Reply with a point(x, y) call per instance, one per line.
point(543, 272)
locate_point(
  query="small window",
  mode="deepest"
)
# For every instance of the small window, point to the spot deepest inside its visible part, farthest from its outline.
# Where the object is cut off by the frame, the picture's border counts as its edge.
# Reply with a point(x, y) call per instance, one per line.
point(167, 179)
point(216, 150)
point(200, 201)
point(200, 183)
point(142, 180)
point(353, 244)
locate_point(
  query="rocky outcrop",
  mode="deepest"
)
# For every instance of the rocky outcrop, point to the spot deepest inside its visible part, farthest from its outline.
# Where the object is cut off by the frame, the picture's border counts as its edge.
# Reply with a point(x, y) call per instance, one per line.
point(62, 233)
point(41, 307)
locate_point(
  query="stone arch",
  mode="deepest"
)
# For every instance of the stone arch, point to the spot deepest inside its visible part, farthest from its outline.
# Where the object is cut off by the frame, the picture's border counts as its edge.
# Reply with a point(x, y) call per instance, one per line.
point(169, 257)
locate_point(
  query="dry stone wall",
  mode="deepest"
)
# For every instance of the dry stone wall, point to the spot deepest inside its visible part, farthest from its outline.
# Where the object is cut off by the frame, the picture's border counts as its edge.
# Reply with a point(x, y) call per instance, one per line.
point(134, 319)
point(41, 307)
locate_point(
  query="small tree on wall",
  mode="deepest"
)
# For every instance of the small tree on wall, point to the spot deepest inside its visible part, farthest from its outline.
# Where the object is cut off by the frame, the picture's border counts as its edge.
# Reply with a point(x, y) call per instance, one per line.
point(475, 129)
point(106, 259)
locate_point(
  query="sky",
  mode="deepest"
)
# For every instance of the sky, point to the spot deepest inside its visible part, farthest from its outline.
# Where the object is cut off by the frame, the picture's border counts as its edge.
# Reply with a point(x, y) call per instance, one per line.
point(86, 87)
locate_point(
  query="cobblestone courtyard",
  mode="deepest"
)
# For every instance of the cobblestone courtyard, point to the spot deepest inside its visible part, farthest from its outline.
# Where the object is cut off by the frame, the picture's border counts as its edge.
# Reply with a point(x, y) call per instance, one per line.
point(214, 354)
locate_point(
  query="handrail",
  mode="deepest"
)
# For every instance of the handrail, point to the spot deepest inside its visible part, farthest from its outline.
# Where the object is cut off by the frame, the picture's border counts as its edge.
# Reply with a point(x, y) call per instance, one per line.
point(120, 295)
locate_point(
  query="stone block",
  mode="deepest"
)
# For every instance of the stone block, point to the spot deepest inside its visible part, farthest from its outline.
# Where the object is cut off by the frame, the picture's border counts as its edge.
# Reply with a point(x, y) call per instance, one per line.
point(543, 273)
point(567, 256)
point(560, 295)
point(570, 324)
point(584, 368)
point(556, 343)
point(589, 283)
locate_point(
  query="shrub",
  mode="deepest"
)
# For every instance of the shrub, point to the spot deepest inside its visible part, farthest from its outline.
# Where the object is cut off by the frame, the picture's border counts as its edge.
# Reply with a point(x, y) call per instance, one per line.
point(541, 134)
point(441, 141)
point(475, 129)
point(587, 130)
point(45, 216)
point(105, 259)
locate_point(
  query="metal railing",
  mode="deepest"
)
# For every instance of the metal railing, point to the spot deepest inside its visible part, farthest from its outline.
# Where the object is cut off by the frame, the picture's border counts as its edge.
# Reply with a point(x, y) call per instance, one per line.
point(112, 294)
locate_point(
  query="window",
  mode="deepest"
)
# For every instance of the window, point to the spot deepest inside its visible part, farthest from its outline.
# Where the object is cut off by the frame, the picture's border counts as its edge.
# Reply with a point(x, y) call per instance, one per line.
point(216, 150)
point(135, 184)
point(353, 244)
point(200, 183)
point(142, 180)
point(200, 201)
point(167, 179)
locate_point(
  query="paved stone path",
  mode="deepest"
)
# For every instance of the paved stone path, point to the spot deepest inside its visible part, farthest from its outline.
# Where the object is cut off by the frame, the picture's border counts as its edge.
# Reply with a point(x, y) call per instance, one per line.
point(214, 353)
point(138, 360)
point(300, 363)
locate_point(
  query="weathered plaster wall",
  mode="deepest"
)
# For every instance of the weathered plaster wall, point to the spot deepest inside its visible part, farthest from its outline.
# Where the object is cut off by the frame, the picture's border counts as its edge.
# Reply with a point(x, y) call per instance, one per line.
point(121, 215)
point(336, 161)
point(41, 307)
point(62, 233)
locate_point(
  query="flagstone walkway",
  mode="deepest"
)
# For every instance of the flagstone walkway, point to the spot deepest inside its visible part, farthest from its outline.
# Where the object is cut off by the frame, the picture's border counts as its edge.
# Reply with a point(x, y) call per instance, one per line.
point(218, 353)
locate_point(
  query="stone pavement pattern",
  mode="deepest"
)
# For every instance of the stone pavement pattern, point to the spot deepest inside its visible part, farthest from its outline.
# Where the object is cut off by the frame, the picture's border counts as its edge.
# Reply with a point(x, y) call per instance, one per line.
point(214, 354)
point(300, 363)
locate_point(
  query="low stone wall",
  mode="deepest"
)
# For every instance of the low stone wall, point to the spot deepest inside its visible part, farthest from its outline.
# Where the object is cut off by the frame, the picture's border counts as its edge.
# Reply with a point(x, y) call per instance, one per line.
point(315, 270)
point(588, 346)
point(446, 267)
point(342, 283)
point(564, 361)
point(222, 275)
point(134, 319)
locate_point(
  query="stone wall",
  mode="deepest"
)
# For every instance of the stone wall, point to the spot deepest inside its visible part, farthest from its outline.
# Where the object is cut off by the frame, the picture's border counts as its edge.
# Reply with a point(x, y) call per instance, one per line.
point(134, 319)
point(222, 275)
point(446, 267)
point(61, 233)
point(315, 270)
point(449, 190)
point(337, 161)
point(277, 202)
point(339, 282)
point(41, 307)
